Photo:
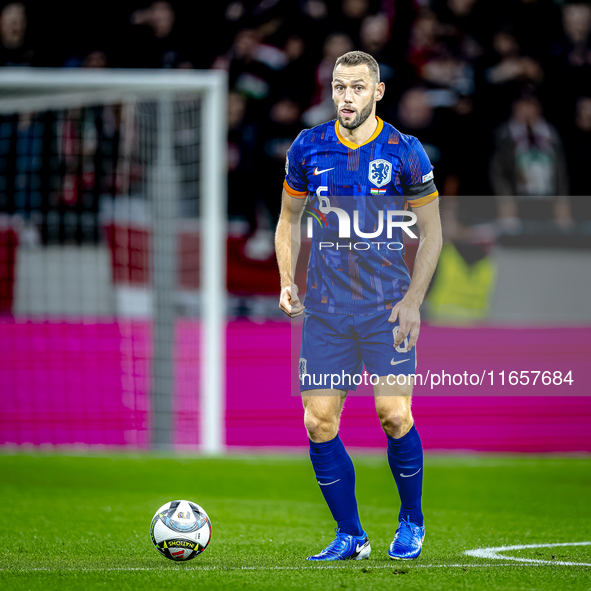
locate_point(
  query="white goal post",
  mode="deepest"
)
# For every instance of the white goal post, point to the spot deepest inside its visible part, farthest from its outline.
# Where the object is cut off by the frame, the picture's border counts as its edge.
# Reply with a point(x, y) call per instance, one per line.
point(29, 90)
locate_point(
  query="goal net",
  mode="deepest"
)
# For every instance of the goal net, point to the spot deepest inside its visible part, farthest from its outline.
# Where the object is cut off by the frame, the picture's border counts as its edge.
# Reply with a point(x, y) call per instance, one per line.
point(112, 258)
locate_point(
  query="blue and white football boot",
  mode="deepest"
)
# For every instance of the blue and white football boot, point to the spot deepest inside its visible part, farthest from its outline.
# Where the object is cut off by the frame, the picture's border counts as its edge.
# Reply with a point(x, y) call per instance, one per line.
point(408, 541)
point(345, 547)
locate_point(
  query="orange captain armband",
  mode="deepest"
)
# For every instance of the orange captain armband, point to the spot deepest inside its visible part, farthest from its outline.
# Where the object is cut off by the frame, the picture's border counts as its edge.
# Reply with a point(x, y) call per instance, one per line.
point(293, 192)
point(420, 201)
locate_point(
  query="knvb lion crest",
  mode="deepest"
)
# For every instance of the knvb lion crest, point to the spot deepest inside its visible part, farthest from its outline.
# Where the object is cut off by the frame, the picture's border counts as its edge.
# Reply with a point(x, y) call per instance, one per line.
point(380, 172)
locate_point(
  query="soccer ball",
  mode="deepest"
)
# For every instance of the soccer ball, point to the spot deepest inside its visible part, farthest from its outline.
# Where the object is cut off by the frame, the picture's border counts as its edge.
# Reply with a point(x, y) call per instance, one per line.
point(180, 530)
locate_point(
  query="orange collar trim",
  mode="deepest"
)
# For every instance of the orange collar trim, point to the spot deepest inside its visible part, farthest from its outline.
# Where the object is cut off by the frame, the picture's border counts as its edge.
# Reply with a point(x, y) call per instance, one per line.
point(355, 146)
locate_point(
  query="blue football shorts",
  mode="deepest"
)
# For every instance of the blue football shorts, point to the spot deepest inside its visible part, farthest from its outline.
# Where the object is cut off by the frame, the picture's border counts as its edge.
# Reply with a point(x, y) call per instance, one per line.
point(335, 347)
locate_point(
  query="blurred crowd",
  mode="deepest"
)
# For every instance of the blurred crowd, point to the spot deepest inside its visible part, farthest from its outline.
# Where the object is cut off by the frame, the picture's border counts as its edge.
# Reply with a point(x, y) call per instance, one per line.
point(498, 91)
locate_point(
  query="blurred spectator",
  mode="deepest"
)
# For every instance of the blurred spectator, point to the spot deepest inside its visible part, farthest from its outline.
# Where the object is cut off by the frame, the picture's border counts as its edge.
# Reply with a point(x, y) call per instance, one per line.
point(374, 38)
point(467, 169)
point(423, 43)
point(274, 142)
point(416, 116)
point(95, 59)
point(248, 75)
point(503, 74)
point(15, 49)
point(355, 10)
point(578, 142)
point(322, 105)
point(576, 20)
point(242, 138)
point(529, 159)
point(350, 19)
point(156, 42)
point(313, 19)
point(512, 65)
point(465, 27)
point(297, 75)
point(235, 11)
point(467, 178)
point(570, 68)
point(461, 17)
point(528, 167)
point(579, 148)
point(449, 75)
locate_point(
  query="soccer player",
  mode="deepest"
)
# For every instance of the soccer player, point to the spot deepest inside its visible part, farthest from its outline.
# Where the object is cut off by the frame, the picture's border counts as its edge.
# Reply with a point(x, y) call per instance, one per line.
point(361, 306)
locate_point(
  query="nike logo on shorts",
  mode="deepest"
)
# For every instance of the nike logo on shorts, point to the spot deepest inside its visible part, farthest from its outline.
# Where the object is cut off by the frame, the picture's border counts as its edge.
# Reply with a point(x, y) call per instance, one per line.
point(317, 172)
point(397, 362)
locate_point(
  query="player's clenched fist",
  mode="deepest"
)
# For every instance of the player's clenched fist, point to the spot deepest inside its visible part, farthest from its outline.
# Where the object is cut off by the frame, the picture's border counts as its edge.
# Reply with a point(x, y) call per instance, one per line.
point(289, 301)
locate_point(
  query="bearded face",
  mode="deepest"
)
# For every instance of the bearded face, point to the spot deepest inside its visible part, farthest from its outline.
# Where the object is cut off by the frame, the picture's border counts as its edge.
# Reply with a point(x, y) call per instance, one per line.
point(351, 118)
point(354, 95)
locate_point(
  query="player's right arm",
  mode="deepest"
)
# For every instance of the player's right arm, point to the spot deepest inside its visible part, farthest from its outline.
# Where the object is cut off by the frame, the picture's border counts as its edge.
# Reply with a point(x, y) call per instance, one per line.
point(287, 235)
point(287, 248)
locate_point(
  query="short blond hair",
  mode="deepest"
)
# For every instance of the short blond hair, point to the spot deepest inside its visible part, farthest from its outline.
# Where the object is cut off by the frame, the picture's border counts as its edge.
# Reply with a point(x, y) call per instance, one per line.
point(357, 58)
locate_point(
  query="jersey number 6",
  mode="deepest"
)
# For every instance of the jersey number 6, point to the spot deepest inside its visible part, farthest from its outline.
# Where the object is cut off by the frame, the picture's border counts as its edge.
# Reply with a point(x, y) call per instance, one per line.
point(403, 347)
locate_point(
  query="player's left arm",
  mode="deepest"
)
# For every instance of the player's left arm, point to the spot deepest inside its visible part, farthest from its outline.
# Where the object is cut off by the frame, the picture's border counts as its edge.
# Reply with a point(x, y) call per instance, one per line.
point(430, 241)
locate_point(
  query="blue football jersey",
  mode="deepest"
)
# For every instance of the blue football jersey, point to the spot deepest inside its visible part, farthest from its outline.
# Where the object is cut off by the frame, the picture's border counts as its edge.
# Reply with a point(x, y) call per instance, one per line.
point(357, 265)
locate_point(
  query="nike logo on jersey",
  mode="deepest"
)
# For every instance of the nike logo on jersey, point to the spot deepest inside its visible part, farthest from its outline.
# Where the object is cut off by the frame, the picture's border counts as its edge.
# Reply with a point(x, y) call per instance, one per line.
point(398, 362)
point(327, 483)
point(409, 475)
point(317, 172)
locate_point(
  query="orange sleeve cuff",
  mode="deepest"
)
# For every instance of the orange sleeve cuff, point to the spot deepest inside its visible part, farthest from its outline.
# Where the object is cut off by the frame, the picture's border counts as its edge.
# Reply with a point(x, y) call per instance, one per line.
point(423, 200)
point(293, 192)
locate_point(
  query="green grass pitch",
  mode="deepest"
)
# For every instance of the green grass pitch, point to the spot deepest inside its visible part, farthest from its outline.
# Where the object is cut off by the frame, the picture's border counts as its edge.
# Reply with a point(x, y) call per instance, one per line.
point(82, 522)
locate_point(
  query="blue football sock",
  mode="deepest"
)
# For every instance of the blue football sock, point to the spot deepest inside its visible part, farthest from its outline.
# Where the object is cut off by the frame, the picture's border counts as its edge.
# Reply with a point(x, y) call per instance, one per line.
point(336, 476)
point(405, 456)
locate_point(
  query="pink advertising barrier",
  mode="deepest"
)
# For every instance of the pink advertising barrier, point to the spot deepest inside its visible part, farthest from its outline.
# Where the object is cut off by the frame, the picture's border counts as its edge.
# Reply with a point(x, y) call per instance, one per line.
point(87, 383)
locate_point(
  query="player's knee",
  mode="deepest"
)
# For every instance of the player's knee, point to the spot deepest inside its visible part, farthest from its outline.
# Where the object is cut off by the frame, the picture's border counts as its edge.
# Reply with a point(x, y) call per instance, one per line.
point(396, 422)
point(321, 426)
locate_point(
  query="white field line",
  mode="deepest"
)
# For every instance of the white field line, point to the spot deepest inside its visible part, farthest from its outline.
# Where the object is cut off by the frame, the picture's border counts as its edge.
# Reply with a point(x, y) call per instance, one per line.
point(493, 553)
point(395, 565)
point(490, 553)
